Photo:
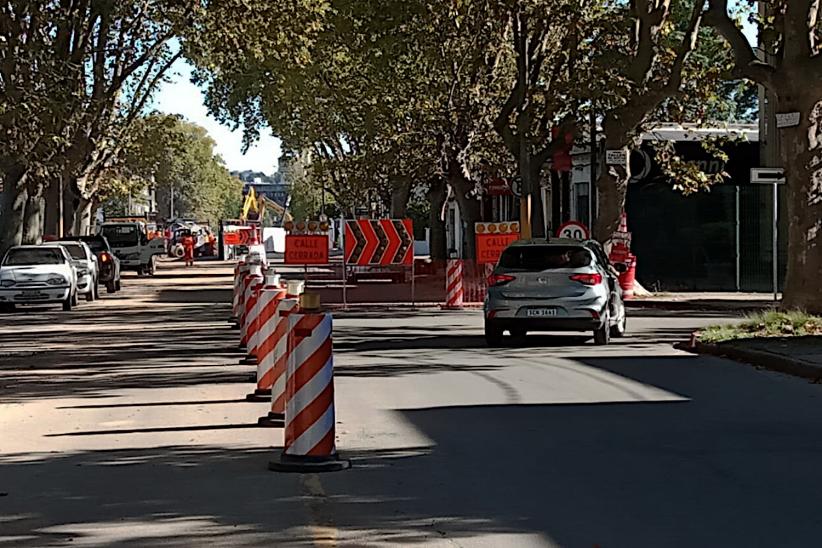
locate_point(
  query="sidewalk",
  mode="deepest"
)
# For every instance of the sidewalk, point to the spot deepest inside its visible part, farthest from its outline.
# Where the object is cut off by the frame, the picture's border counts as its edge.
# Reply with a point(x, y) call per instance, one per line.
point(722, 301)
point(799, 356)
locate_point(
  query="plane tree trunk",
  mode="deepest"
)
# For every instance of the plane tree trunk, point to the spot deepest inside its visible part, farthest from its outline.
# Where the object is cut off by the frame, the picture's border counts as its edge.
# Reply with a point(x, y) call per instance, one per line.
point(33, 215)
point(802, 157)
point(400, 194)
point(437, 193)
point(13, 200)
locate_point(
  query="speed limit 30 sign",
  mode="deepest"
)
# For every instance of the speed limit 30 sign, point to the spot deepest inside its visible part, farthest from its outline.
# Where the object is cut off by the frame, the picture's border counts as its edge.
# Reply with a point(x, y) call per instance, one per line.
point(573, 230)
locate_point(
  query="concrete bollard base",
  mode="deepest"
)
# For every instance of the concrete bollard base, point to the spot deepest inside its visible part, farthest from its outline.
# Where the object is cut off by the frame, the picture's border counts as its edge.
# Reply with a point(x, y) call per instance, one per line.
point(259, 395)
point(308, 465)
point(272, 420)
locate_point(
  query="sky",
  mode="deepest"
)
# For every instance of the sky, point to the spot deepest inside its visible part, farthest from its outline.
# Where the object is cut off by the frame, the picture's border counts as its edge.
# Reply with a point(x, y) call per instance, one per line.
point(180, 96)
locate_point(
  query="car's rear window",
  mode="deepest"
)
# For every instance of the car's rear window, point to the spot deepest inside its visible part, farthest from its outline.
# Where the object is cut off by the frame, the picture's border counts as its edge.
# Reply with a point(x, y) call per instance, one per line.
point(544, 257)
point(75, 250)
point(121, 235)
point(97, 244)
point(31, 256)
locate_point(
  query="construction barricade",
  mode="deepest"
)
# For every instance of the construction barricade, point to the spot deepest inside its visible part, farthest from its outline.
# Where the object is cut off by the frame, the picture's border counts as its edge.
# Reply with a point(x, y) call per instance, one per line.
point(309, 407)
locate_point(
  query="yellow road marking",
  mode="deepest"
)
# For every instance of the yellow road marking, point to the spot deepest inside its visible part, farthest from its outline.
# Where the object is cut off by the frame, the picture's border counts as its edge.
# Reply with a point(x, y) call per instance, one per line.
point(323, 533)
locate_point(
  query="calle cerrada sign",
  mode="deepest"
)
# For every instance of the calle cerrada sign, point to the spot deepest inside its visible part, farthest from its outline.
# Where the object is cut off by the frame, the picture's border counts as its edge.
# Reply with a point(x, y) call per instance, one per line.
point(493, 238)
point(306, 243)
point(306, 249)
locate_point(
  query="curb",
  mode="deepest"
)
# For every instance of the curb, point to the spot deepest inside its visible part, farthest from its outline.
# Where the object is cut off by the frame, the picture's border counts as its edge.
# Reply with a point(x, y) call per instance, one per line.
point(767, 360)
point(730, 306)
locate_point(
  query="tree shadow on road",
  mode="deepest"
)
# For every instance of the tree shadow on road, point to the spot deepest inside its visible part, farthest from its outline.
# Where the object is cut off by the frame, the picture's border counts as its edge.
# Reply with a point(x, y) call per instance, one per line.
point(734, 465)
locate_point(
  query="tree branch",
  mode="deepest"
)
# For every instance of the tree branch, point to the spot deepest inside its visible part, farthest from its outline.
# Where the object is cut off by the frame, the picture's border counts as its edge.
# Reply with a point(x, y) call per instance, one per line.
point(747, 65)
point(685, 47)
point(649, 19)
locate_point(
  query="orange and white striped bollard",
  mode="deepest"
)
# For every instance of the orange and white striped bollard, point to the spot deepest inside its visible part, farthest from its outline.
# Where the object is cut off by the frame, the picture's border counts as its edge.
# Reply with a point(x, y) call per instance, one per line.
point(268, 304)
point(250, 281)
point(309, 408)
point(271, 282)
point(236, 297)
point(247, 270)
point(277, 352)
point(454, 281)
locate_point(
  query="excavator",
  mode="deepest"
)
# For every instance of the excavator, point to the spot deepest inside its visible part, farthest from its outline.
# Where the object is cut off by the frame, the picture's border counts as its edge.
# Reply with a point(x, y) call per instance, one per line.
point(255, 207)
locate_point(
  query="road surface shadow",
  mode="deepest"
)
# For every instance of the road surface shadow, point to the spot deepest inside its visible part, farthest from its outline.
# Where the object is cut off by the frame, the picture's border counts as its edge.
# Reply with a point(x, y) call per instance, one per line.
point(195, 295)
point(735, 465)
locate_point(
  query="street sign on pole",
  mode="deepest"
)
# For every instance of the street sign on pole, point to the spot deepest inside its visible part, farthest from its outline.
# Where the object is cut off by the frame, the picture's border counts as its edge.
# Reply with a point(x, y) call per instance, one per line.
point(306, 249)
point(618, 157)
point(772, 176)
point(787, 119)
point(767, 175)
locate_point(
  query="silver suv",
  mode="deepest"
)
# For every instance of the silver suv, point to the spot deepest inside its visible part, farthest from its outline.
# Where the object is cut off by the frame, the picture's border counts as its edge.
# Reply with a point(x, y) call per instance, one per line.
point(554, 285)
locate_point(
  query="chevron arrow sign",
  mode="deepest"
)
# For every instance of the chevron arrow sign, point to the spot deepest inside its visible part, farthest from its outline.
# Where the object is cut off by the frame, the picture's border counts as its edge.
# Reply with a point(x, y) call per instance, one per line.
point(383, 242)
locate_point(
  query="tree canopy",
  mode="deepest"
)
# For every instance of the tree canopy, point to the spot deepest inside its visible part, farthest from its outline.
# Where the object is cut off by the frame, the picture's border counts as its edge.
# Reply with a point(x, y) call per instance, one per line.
point(170, 155)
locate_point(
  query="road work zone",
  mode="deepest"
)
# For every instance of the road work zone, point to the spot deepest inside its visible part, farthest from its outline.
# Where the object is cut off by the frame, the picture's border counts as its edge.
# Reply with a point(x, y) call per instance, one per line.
point(126, 424)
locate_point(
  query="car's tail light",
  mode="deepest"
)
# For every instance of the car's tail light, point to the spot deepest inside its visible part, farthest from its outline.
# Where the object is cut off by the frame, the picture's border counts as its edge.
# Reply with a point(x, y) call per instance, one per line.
point(495, 280)
point(595, 314)
point(587, 279)
point(105, 257)
point(493, 313)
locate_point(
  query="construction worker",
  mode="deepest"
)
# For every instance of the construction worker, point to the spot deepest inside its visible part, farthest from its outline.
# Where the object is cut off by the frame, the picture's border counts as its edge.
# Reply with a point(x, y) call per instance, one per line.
point(188, 248)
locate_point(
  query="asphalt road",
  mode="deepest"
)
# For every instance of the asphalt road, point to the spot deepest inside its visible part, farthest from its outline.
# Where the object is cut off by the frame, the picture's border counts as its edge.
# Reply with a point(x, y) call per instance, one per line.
point(124, 424)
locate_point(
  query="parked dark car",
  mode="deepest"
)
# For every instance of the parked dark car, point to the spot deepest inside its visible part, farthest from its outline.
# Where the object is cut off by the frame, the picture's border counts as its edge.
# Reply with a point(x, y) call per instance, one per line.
point(108, 262)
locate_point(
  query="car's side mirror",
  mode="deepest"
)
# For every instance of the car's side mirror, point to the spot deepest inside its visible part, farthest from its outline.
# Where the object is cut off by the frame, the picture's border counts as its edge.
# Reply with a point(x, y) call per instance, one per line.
point(621, 267)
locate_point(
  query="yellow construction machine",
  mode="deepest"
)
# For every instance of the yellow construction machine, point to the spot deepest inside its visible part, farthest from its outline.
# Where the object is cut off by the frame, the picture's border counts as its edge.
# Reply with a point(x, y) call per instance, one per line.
point(255, 206)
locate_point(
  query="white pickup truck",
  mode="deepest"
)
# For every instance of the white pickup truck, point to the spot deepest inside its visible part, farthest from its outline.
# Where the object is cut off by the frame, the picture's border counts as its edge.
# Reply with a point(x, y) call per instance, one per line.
point(130, 243)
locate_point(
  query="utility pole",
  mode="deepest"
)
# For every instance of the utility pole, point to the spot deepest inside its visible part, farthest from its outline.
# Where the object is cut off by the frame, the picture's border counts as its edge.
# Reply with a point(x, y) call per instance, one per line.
point(769, 150)
point(592, 183)
point(171, 207)
point(524, 214)
point(60, 227)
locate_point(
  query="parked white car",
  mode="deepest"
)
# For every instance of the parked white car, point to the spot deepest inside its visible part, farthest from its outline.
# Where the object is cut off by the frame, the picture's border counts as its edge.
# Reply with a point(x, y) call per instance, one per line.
point(39, 274)
point(85, 263)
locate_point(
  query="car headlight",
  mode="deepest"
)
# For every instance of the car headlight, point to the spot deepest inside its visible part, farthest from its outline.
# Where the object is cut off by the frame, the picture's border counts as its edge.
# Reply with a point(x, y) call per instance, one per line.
point(57, 280)
point(7, 283)
point(82, 272)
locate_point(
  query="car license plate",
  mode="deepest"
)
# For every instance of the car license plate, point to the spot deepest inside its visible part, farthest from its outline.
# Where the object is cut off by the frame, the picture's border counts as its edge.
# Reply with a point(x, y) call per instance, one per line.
point(541, 312)
point(31, 294)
